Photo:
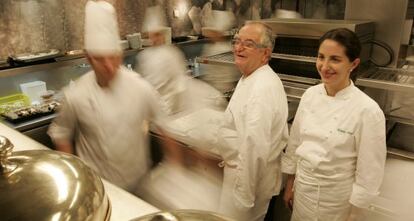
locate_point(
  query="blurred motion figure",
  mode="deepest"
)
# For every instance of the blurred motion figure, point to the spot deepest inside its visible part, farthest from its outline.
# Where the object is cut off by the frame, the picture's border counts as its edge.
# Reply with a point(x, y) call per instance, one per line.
point(173, 184)
point(222, 77)
point(104, 111)
point(165, 67)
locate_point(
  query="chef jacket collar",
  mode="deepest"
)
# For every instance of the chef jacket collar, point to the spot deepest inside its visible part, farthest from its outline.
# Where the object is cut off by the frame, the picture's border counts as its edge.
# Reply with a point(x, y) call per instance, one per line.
point(343, 94)
point(256, 72)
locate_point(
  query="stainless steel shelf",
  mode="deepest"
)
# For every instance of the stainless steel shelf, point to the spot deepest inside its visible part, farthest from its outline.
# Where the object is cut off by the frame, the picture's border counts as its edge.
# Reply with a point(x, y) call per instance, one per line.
point(398, 119)
point(388, 79)
point(400, 153)
point(294, 57)
point(30, 124)
point(299, 79)
point(60, 62)
point(294, 91)
point(225, 58)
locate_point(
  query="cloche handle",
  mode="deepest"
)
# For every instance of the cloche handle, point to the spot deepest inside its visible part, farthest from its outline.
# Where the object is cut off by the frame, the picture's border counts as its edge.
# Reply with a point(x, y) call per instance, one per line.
point(6, 148)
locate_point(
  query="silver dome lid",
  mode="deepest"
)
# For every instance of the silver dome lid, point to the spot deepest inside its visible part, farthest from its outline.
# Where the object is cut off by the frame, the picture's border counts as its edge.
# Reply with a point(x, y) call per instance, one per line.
point(48, 185)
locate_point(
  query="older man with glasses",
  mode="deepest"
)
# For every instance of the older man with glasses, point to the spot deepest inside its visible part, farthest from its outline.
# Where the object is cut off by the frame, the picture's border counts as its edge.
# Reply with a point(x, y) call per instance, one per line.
point(258, 113)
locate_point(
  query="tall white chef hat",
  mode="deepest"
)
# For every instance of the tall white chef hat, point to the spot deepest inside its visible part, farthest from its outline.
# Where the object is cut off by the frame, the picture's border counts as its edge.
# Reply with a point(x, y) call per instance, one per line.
point(220, 21)
point(154, 19)
point(101, 29)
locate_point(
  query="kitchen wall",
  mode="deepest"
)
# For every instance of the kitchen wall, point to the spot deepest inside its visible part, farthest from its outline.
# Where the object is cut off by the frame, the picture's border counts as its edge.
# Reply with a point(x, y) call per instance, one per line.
point(29, 26)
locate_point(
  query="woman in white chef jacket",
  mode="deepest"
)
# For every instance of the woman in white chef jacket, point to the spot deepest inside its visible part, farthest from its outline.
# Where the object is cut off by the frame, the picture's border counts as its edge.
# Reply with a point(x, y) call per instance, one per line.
point(336, 152)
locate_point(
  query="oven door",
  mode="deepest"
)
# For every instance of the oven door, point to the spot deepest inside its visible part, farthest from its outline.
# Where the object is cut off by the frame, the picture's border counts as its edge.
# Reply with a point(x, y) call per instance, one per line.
point(39, 134)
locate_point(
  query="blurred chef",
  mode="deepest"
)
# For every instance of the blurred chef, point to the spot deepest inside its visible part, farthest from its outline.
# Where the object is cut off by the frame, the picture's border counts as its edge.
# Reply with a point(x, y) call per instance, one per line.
point(258, 113)
point(337, 144)
point(223, 78)
point(164, 66)
point(104, 110)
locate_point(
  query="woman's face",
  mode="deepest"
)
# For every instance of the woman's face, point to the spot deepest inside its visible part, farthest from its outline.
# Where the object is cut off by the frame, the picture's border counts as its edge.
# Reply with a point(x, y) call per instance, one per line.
point(333, 65)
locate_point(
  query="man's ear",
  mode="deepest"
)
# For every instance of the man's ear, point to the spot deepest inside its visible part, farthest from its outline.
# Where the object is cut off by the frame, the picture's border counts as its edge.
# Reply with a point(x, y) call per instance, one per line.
point(268, 53)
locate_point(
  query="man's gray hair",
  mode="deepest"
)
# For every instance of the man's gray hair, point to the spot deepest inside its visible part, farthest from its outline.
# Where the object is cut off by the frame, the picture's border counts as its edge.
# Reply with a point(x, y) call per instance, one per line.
point(267, 39)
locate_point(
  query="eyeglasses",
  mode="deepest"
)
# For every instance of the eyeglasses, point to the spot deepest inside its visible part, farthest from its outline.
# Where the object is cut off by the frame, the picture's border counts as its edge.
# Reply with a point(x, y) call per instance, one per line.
point(249, 44)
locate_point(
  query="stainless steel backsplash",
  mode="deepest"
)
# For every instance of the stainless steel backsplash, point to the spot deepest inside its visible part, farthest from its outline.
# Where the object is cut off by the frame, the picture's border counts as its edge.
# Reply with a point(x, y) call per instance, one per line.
point(28, 26)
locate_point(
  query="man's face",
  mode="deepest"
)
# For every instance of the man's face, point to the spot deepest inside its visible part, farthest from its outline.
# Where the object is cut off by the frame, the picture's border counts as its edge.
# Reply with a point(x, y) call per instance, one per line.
point(106, 66)
point(157, 37)
point(249, 54)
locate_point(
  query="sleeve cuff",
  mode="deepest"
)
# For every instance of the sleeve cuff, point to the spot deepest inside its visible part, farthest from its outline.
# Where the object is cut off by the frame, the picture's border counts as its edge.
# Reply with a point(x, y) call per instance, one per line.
point(360, 197)
point(59, 133)
point(288, 166)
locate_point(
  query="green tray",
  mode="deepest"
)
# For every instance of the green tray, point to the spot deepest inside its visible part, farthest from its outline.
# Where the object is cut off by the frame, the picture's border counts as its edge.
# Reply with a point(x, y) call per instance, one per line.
point(12, 102)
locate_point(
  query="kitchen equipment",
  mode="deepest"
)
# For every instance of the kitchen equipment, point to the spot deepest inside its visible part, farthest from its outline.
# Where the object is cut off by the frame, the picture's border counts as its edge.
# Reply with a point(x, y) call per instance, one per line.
point(183, 215)
point(33, 57)
point(30, 112)
point(134, 40)
point(34, 90)
point(49, 185)
point(4, 64)
point(297, 41)
point(13, 101)
point(124, 44)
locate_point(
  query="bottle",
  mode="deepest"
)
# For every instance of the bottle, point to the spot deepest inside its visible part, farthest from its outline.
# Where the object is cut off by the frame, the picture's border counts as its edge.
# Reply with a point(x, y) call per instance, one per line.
point(196, 66)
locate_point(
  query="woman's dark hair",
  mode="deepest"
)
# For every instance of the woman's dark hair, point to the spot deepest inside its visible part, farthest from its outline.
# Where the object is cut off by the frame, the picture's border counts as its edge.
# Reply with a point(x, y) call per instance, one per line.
point(346, 38)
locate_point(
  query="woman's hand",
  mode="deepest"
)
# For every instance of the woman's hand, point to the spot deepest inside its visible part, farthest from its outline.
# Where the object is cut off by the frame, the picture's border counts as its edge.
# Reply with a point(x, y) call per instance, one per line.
point(288, 196)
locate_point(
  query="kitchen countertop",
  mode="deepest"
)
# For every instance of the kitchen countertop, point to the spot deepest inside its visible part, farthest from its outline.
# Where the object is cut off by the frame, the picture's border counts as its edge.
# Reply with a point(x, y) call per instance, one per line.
point(125, 206)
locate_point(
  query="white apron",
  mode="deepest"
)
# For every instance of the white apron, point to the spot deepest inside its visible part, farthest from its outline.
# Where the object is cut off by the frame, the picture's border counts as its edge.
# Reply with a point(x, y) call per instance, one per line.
point(320, 199)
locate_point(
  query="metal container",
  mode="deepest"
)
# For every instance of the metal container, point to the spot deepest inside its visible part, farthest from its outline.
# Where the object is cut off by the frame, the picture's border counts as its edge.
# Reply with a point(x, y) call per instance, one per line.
point(49, 185)
point(183, 215)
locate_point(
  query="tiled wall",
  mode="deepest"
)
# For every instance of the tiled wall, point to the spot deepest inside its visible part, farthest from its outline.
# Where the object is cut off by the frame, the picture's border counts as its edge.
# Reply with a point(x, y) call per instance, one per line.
point(32, 25)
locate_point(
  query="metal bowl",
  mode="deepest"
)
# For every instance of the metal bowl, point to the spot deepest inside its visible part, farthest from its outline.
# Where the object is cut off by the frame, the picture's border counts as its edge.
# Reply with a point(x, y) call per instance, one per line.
point(183, 215)
point(49, 185)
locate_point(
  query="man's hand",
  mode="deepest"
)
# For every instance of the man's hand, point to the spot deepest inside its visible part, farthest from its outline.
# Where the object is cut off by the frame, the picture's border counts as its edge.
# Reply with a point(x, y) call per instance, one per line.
point(288, 196)
point(64, 146)
point(356, 214)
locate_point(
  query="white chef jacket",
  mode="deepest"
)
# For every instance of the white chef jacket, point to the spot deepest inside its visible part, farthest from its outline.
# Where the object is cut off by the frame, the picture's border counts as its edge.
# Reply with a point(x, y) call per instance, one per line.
point(106, 125)
point(339, 138)
point(258, 113)
point(165, 68)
